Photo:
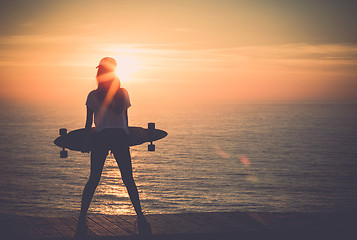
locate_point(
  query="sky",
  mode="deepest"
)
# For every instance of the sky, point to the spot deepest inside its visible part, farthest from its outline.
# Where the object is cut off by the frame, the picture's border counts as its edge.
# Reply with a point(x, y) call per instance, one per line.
point(180, 51)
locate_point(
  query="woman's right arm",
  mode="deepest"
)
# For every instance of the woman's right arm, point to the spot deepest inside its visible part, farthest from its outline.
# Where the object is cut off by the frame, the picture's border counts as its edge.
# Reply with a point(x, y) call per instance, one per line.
point(89, 120)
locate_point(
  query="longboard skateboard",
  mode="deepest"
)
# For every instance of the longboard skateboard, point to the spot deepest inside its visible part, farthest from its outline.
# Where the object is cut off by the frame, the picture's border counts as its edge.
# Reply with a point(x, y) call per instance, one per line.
point(77, 140)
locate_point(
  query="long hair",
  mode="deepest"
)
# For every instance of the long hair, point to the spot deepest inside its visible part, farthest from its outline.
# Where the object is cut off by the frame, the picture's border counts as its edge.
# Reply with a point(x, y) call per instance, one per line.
point(109, 93)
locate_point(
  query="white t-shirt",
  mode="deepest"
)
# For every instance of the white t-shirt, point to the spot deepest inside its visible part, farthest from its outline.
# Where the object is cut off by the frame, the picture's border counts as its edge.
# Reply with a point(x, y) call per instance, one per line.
point(107, 118)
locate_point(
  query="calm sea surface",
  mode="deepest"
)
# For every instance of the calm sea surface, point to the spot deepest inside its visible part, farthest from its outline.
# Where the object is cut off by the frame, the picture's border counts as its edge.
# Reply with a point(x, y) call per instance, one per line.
point(243, 157)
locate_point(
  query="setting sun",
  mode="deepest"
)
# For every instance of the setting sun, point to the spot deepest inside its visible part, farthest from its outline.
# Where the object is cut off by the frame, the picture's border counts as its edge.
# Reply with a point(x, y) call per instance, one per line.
point(127, 66)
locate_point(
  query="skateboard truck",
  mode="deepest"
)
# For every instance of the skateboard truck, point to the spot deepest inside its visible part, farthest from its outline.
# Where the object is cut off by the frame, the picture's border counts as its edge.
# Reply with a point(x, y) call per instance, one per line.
point(64, 152)
point(151, 127)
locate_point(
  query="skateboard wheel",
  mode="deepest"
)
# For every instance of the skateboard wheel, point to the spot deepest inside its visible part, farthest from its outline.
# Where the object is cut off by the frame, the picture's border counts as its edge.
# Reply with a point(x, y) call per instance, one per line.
point(63, 154)
point(63, 131)
point(151, 147)
point(151, 126)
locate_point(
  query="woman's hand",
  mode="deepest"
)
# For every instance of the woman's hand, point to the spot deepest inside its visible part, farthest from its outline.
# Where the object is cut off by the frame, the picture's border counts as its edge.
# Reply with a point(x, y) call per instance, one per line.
point(87, 141)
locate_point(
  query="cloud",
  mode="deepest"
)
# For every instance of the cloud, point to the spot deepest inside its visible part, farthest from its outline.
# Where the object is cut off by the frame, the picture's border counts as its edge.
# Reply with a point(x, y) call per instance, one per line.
point(29, 40)
point(182, 29)
point(27, 24)
point(72, 50)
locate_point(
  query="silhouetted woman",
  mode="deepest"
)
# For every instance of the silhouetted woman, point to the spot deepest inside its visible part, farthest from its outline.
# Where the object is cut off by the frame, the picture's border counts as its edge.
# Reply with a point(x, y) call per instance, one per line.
point(109, 104)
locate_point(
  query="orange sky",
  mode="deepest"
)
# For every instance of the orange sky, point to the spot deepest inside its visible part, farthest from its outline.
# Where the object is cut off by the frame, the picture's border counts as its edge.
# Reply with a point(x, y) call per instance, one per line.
point(180, 51)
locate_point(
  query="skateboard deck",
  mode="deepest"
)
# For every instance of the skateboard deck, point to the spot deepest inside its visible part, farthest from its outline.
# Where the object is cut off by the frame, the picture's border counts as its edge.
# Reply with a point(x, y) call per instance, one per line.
point(79, 140)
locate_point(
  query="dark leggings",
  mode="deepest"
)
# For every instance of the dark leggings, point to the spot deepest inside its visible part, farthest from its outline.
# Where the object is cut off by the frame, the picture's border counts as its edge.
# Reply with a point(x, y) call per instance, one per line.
point(117, 141)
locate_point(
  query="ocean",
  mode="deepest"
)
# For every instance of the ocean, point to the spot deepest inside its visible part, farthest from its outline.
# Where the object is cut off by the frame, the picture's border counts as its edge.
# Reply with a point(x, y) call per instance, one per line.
point(267, 157)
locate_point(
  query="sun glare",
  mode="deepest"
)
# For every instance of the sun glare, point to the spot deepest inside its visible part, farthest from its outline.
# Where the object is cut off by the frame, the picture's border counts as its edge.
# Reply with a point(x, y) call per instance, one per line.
point(127, 66)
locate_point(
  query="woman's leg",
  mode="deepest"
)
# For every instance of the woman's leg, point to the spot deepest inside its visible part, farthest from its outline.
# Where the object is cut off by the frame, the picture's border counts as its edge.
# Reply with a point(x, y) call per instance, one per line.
point(98, 157)
point(123, 158)
point(121, 153)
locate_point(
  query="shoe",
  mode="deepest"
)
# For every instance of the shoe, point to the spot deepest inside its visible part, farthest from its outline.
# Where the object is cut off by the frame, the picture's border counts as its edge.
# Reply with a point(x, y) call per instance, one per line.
point(144, 227)
point(81, 230)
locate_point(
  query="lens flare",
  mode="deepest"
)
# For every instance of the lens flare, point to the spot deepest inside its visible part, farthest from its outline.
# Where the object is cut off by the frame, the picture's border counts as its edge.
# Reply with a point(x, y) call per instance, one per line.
point(245, 160)
point(108, 99)
point(220, 152)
